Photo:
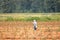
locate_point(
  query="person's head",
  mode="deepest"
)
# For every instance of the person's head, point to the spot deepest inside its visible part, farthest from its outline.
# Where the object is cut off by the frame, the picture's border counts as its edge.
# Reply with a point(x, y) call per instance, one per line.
point(34, 20)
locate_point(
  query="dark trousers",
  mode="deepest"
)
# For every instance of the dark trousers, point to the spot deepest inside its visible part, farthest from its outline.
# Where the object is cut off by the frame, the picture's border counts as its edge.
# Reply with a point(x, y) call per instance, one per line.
point(35, 28)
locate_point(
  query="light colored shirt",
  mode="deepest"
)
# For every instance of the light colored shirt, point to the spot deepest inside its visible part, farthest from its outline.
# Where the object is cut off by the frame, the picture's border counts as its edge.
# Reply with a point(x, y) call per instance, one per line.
point(35, 23)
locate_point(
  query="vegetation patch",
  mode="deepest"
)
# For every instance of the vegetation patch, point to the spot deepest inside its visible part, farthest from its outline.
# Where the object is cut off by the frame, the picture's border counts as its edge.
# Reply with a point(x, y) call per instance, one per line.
point(29, 17)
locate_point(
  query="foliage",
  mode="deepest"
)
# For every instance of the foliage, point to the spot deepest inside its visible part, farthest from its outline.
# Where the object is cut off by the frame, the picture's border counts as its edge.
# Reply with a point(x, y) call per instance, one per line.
point(30, 6)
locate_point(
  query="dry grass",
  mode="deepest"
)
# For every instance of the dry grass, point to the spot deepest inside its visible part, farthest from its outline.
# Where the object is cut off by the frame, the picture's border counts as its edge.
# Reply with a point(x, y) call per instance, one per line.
point(18, 30)
point(23, 30)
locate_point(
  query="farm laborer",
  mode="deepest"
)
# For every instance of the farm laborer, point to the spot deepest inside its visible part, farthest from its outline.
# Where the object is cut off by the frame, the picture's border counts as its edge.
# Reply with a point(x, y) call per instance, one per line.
point(35, 24)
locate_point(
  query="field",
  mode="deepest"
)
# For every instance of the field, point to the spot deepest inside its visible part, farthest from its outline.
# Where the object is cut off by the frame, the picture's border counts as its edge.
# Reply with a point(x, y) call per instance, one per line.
point(29, 17)
point(23, 30)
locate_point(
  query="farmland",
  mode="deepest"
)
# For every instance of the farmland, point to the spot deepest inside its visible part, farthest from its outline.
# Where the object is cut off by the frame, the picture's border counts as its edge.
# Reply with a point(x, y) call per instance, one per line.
point(23, 30)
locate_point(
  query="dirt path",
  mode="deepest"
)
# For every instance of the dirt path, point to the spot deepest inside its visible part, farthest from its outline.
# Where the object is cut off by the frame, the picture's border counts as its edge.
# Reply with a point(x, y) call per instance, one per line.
point(24, 31)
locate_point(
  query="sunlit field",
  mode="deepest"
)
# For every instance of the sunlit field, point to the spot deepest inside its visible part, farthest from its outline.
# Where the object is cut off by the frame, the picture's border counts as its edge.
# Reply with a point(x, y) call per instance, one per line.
point(20, 26)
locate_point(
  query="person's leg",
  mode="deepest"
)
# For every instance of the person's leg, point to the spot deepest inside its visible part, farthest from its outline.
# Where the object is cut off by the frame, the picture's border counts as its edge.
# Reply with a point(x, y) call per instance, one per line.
point(34, 27)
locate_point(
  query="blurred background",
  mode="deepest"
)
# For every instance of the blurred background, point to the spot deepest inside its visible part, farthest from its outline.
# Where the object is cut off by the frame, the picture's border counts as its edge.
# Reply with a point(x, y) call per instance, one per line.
point(29, 6)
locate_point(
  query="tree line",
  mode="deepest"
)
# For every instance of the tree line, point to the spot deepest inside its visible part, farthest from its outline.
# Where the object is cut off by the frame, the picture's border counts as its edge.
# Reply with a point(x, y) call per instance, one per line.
point(29, 6)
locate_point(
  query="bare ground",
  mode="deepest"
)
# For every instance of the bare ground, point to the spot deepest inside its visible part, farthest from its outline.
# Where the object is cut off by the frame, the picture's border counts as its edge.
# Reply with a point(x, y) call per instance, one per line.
point(16, 30)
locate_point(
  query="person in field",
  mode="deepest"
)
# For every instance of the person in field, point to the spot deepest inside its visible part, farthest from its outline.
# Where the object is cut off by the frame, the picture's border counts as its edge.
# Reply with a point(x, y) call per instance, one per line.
point(35, 24)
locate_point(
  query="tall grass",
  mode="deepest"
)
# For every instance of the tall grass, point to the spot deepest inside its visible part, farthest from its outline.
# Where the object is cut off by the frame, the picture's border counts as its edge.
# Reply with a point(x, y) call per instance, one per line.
point(29, 17)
